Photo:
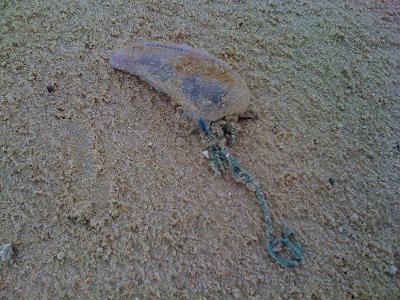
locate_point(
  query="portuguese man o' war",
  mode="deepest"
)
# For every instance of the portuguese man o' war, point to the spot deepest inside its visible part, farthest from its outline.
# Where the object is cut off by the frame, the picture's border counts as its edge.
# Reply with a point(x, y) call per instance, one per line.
point(207, 89)
point(203, 85)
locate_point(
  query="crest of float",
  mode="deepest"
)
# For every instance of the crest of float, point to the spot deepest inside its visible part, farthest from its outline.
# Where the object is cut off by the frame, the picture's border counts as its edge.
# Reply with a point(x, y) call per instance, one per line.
point(208, 89)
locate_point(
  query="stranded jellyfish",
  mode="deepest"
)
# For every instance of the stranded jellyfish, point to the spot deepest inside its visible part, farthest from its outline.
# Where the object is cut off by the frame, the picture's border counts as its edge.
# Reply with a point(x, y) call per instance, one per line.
point(203, 85)
point(208, 89)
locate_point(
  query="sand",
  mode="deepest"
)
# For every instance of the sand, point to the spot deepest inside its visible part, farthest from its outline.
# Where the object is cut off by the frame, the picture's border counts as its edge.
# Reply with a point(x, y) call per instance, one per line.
point(105, 194)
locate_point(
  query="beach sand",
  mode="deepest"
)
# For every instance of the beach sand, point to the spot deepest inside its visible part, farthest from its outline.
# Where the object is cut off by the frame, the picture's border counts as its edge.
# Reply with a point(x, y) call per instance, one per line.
point(105, 194)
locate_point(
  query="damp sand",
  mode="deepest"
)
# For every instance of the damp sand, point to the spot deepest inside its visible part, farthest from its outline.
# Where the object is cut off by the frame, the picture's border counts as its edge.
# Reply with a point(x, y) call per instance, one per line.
point(103, 193)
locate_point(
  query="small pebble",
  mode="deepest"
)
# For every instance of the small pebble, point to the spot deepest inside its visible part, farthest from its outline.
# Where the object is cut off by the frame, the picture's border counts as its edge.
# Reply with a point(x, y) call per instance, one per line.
point(341, 229)
point(354, 217)
point(391, 270)
point(6, 251)
point(206, 154)
point(51, 88)
point(236, 293)
point(60, 255)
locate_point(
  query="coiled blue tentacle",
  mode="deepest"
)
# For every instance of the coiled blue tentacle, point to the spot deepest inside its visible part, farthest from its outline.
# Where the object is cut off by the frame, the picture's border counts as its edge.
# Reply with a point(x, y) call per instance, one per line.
point(221, 159)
